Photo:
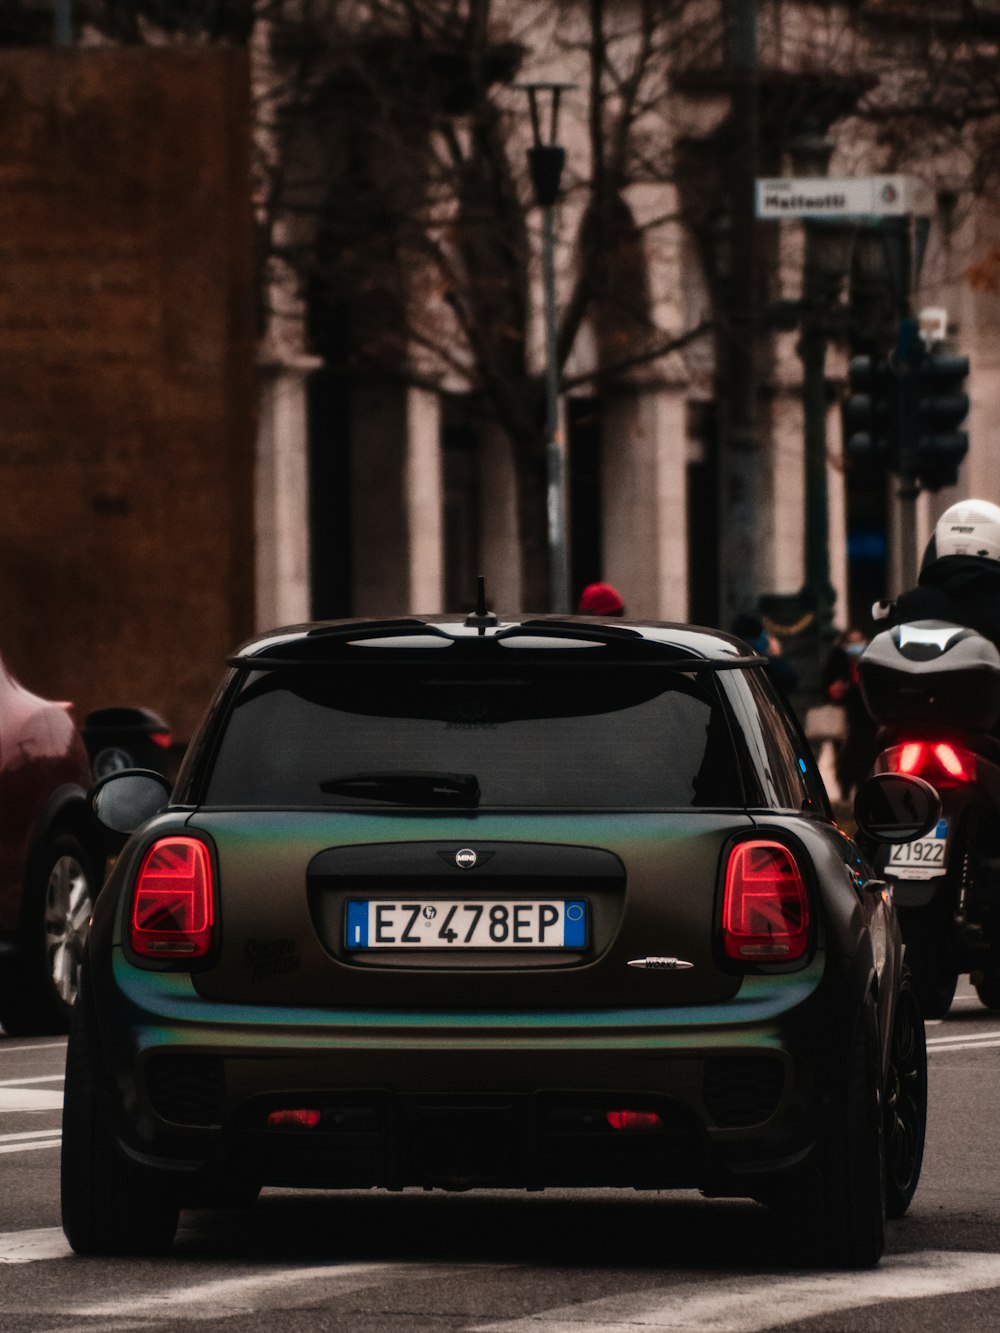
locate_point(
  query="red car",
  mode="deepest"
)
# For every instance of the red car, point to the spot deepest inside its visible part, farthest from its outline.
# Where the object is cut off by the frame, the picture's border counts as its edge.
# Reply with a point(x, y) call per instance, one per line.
point(51, 859)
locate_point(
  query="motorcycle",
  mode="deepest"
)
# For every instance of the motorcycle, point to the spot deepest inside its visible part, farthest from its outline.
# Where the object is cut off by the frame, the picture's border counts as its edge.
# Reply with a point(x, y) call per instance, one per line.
point(933, 688)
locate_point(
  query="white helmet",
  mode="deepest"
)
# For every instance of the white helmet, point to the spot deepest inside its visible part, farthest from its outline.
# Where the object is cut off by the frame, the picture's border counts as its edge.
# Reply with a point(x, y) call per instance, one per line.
point(971, 527)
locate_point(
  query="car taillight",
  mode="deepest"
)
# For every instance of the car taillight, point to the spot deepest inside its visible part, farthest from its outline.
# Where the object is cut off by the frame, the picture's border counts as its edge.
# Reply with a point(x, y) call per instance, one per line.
point(633, 1120)
point(765, 910)
point(938, 762)
point(296, 1118)
point(172, 901)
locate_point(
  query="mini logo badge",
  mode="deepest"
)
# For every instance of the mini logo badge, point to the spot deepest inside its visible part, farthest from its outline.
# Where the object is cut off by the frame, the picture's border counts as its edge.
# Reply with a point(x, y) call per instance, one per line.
point(661, 964)
point(466, 858)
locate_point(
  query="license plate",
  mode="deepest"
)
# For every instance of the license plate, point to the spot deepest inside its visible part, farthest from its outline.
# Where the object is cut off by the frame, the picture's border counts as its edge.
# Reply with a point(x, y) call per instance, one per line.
point(448, 923)
point(924, 858)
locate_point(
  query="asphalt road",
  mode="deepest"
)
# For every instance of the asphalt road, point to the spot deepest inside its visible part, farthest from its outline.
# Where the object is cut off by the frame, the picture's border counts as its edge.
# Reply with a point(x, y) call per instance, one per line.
point(551, 1263)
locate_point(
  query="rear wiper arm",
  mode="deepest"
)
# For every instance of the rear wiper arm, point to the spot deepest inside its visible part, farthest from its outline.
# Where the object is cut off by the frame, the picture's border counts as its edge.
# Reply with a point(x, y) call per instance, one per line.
point(405, 787)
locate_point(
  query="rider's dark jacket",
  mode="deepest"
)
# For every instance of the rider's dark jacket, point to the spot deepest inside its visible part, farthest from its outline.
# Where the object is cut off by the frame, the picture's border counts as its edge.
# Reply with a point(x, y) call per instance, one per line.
point(964, 589)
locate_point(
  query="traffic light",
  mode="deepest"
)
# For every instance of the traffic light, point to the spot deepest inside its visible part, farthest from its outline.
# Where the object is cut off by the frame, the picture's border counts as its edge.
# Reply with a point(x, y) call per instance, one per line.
point(942, 406)
point(869, 414)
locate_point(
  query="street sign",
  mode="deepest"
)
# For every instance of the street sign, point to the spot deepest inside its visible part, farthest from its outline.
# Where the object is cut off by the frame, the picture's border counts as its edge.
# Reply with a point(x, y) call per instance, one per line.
point(840, 196)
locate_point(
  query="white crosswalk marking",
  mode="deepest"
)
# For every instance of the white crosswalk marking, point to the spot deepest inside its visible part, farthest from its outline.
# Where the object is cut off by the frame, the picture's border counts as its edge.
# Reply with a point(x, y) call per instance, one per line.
point(25, 1247)
point(52, 1141)
point(973, 1041)
point(29, 1099)
point(751, 1302)
point(247, 1294)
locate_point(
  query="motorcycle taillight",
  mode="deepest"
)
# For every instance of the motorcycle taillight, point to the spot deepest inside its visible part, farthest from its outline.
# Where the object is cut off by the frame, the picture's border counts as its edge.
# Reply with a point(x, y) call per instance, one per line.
point(941, 763)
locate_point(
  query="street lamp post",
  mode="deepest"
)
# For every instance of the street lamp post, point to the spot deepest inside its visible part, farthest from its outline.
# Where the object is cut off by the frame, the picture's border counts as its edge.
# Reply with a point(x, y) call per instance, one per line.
point(824, 270)
point(545, 161)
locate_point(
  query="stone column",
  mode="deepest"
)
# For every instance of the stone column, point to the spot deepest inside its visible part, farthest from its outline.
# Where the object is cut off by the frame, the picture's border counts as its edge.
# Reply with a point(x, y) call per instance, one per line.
point(424, 501)
point(396, 498)
point(644, 489)
point(500, 550)
point(282, 494)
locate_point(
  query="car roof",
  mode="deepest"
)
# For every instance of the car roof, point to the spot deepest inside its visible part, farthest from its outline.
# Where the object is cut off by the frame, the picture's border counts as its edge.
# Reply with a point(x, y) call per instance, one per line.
point(319, 641)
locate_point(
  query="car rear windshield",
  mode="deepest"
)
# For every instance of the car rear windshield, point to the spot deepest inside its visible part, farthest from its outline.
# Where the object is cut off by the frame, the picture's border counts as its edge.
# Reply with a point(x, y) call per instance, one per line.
point(527, 737)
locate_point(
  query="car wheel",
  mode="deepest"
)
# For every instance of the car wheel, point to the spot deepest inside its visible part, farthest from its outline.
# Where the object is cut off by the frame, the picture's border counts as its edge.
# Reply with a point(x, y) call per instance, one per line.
point(109, 1206)
point(988, 990)
point(905, 1102)
point(39, 991)
point(836, 1206)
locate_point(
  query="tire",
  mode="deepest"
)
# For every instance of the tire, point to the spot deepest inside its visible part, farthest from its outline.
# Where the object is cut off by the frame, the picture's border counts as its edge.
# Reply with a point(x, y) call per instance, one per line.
point(905, 1102)
point(39, 990)
point(988, 990)
point(930, 955)
point(109, 1206)
point(836, 1207)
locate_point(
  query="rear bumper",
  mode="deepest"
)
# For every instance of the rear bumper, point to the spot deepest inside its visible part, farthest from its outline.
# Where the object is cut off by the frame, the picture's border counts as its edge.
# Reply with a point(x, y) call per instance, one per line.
point(456, 1100)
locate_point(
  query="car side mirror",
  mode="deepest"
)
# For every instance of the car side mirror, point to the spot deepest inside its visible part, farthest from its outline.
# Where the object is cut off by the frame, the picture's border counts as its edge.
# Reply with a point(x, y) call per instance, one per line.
point(123, 801)
point(894, 808)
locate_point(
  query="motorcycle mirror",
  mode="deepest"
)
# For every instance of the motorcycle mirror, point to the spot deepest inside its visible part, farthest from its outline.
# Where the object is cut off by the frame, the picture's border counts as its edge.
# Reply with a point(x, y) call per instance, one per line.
point(895, 808)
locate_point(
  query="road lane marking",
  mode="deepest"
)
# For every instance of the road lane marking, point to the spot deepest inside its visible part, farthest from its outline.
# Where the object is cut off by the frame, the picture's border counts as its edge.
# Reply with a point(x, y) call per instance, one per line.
point(751, 1302)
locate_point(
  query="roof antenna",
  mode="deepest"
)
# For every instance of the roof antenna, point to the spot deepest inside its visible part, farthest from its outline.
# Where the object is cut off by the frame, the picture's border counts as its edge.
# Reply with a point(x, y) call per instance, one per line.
point(480, 618)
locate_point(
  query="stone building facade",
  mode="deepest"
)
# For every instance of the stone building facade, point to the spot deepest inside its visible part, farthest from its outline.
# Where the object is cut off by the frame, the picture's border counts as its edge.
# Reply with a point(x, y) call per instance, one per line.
point(422, 499)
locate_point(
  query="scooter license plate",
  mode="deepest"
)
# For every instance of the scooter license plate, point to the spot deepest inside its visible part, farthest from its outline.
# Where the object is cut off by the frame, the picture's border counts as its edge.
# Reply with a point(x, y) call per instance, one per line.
point(924, 858)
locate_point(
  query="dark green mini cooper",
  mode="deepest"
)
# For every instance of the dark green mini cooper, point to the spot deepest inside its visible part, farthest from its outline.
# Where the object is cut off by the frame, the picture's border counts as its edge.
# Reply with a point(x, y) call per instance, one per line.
point(460, 903)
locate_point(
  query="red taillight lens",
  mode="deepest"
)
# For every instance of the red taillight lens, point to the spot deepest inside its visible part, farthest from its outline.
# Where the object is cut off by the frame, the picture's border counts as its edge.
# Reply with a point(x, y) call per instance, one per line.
point(765, 911)
point(939, 762)
point(172, 901)
point(911, 757)
point(633, 1120)
point(297, 1118)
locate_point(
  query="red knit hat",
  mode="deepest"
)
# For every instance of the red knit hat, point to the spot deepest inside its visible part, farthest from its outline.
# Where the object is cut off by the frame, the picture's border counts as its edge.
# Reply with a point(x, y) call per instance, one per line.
point(600, 599)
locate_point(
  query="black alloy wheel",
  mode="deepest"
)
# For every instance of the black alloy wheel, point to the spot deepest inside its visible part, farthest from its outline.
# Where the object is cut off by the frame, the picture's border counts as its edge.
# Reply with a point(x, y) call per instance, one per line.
point(834, 1208)
point(109, 1205)
point(905, 1102)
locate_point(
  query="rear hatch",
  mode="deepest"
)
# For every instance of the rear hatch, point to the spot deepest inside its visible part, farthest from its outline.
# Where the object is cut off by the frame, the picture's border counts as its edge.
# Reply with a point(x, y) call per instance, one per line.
point(484, 822)
point(640, 891)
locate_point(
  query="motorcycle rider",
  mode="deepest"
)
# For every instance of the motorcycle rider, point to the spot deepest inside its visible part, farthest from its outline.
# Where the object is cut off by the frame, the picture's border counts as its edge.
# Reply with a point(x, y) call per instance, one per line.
point(947, 919)
point(959, 578)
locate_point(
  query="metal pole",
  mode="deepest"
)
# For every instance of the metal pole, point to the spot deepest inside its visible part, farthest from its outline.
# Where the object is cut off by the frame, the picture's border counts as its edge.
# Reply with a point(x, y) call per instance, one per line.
point(62, 22)
point(820, 592)
point(907, 355)
point(810, 152)
point(739, 590)
point(555, 463)
point(899, 263)
point(545, 161)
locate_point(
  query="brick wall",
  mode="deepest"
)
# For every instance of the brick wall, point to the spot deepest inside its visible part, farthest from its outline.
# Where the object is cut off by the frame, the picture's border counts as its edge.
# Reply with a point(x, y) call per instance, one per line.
point(126, 373)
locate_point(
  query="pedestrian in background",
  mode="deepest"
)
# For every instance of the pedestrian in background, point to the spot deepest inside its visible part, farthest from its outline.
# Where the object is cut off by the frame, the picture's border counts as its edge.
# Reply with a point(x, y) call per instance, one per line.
point(856, 751)
point(781, 671)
